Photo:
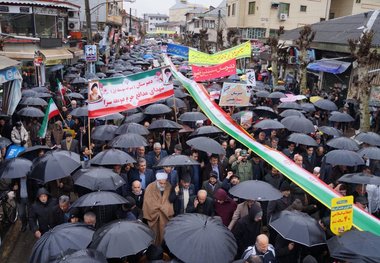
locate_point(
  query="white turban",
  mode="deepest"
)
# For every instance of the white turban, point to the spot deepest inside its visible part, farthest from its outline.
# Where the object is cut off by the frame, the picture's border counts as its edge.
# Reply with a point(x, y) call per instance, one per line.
point(161, 176)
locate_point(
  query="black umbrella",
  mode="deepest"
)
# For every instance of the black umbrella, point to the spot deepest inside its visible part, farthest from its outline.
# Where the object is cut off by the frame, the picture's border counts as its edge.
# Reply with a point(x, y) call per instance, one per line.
point(31, 153)
point(264, 111)
point(112, 157)
point(163, 124)
point(237, 116)
point(63, 237)
point(31, 112)
point(111, 117)
point(355, 246)
point(290, 105)
point(308, 107)
point(360, 178)
point(337, 116)
point(262, 94)
point(343, 143)
point(298, 124)
point(178, 103)
point(327, 105)
point(192, 117)
point(280, 87)
point(157, 109)
point(180, 94)
point(128, 140)
point(104, 132)
point(370, 153)
point(98, 178)
point(136, 117)
point(4, 142)
point(370, 138)
point(53, 165)
point(80, 112)
point(330, 131)
point(291, 112)
point(101, 75)
point(269, 124)
point(122, 238)
point(15, 168)
point(344, 157)
point(29, 93)
point(132, 128)
point(44, 95)
point(255, 190)
point(301, 138)
point(177, 160)
point(32, 101)
point(56, 67)
point(207, 130)
point(211, 240)
point(75, 95)
point(83, 256)
point(276, 95)
point(206, 144)
point(99, 198)
point(298, 227)
point(79, 80)
point(40, 89)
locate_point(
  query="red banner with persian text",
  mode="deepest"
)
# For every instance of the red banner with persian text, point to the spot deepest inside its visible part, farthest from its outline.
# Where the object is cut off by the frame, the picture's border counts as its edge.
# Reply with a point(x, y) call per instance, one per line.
point(212, 72)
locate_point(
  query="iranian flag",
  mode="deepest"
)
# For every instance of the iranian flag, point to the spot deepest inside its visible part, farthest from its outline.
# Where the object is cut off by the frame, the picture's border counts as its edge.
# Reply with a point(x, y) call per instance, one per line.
point(62, 92)
point(51, 111)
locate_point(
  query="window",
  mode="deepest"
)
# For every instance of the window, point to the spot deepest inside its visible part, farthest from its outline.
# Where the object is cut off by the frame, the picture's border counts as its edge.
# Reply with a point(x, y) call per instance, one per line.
point(253, 33)
point(46, 26)
point(284, 9)
point(17, 24)
point(303, 8)
point(358, 1)
point(196, 24)
point(229, 10)
point(331, 15)
point(251, 8)
point(209, 23)
point(233, 9)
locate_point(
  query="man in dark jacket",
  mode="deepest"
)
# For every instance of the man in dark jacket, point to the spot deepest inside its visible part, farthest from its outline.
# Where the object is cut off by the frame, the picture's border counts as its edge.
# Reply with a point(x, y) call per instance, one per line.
point(60, 213)
point(183, 192)
point(309, 159)
point(143, 174)
point(137, 193)
point(248, 228)
point(201, 204)
point(40, 213)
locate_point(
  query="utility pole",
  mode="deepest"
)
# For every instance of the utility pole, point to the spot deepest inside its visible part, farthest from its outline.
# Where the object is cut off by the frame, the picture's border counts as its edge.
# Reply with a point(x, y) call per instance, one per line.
point(217, 31)
point(88, 21)
point(130, 21)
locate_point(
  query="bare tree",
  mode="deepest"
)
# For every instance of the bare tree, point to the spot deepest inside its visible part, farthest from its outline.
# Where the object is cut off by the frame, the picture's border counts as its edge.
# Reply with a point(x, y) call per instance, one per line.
point(274, 46)
point(303, 43)
point(203, 37)
point(233, 37)
point(361, 88)
point(219, 40)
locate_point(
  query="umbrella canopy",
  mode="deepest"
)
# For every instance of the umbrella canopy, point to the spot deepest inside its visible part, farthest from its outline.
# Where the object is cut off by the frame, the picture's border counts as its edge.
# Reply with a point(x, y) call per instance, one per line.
point(98, 178)
point(111, 117)
point(255, 190)
point(360, 178)
point(237, 116)
point(175, 102)
point(79, 80)
point(355, 246)
point(15, 168)
point(301, 138)
point(157, 109)
point(29, 93)
point(128, 140)
point(337, 116)
point(83, 256)
point(104, 132)
point(298, 124)
point(327, 105)
point(370, 138)
point(298, 227)
point(208, 130)
point(343, 143)
point(269, 124)
point(31, 112)
point(330, 131)
point(206, 144)
point(101, 74)
point(31, 153)
point(53, 165)
point(4, 142)
point(262, 94)
point(289, 105)
point(44, 95)
point(80, 112)
point(177, 160)
point(75, 95)
point(370, 153)
point(63, 237)
point(180, 94)
point(276, 95)
point(308, 107)
point(122, 238)
point(163, 124)
point(32, 101)
point(136, 117)
point(291, 112)
point(112, 157)
point(211, 240)
point(344, 157)
point(40, 89)
point(132, 128)
point(56, 67)
point(192, 117)
point(99, 198)
point(264, 111)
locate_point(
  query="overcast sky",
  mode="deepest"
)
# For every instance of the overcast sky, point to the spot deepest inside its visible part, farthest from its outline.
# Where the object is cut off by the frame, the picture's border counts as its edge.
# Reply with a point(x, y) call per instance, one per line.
point(140, 7)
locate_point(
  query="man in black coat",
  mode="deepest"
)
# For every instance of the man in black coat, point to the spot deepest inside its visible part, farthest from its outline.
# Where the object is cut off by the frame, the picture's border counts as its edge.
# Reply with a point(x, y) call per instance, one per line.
point(60, 213)
point(201, 204)
point(70, 144)
point(183, 192)
point(143, 174)
point(309, 159)
point(137, 193)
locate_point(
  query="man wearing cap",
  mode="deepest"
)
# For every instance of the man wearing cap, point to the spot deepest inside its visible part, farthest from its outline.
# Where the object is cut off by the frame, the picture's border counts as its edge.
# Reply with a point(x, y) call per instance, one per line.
point(158, 205)
point(212, 184)
point(183, 193)
point(243, 167)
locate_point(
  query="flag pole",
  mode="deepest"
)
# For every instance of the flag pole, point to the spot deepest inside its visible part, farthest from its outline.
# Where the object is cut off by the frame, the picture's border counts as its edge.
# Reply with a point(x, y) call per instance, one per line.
point(89, 134)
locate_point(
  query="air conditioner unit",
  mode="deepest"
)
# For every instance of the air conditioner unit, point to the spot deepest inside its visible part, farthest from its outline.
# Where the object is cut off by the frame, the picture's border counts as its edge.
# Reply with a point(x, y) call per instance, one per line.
point(283, 16)
point(292, 60)
point(74, 25)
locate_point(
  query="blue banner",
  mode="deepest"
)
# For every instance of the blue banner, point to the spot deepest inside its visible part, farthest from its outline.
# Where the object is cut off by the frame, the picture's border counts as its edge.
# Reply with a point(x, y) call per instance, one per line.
point(178, 50)
point(13, 151)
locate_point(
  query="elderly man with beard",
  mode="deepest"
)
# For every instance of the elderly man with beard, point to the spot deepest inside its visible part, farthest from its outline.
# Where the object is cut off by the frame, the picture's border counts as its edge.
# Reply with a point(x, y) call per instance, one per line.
point(158, 205)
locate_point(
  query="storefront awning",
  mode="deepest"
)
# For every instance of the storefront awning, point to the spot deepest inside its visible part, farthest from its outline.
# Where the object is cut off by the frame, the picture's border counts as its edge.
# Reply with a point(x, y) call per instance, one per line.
point(77, 52)
point(6, 62)
point(21, 55)
point(329, 66)
point(51, 54)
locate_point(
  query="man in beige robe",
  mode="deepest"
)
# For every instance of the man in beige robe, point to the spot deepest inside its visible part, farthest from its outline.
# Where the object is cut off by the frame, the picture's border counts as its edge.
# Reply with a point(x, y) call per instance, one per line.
point(158, 206)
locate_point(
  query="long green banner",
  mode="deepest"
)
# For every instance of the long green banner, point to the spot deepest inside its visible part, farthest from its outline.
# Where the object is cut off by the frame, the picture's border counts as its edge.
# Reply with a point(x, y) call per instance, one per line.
point(308, 182)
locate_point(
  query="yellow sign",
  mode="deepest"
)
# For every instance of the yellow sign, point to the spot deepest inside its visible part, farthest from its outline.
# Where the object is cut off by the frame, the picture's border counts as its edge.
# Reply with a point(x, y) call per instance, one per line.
point(200, 58)
point(341, 214)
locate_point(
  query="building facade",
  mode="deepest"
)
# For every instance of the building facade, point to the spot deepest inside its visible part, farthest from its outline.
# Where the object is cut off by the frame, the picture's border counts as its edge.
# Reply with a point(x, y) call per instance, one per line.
point(151, 20)
point(178, 11)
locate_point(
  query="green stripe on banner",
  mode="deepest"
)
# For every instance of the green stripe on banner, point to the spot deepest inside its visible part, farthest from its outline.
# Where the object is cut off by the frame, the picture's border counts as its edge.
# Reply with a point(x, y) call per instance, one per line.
point(308, 182)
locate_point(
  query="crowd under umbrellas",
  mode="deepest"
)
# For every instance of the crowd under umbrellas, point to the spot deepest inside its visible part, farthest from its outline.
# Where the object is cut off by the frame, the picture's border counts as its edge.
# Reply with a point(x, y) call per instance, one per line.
point(117, 138)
